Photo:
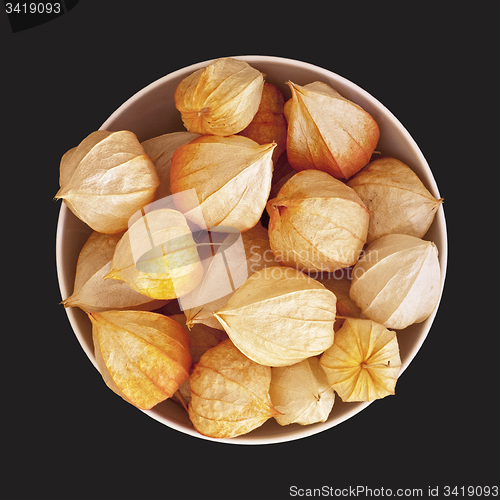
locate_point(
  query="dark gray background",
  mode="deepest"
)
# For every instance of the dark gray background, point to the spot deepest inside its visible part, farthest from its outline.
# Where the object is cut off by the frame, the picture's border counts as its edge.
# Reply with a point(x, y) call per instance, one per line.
point(435, 65)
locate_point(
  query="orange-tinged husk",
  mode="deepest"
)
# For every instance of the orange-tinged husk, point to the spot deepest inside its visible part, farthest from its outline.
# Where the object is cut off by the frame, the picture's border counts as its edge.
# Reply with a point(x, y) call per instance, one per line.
point(158, 256)
point(230, 393)
point(221, 99)
point(269, 124)
point(397, 200)
point(328, 132)
point(160, 149)
point(317, 223)
point(301, 393)
point(398, 280)
point(142, 356)
point(258, 254)
point(231, 176)
point(106, 179)
point(279, 317)
point(94, 293)
point(363, 363)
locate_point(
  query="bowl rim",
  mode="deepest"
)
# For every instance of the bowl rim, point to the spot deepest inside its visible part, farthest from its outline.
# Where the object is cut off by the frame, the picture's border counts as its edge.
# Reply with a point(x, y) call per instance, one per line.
point(302, 431)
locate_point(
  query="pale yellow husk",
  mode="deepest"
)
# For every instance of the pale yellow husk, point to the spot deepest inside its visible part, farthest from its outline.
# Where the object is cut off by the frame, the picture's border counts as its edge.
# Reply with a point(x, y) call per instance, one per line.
point(363, 363)
point(317, 223)
point(221, 99)
point(279, 317)
point(397, 200)
point(160, 149)
point(230, 393)
point(157, 256)
point(398, 280)
point(301, 393)
point(106, 179)
point(269, 124)
point(232, 178)
point(94, 293)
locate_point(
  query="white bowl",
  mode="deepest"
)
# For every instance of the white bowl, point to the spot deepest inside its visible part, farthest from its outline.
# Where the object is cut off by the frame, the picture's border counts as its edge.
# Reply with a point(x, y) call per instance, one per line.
point(151, 112)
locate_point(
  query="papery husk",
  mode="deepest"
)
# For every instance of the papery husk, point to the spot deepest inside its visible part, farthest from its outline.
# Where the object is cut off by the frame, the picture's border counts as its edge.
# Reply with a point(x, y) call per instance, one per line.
point(201, 337)
point(183, 395)
point(231, 175)
point(279, 317)
point(317, 223)
point(142, 356)
point(363, 363)
point(157, 256)
point(340, 285)
point(94, 293)
point(221, 99)
point(106, 179)
point(301, 393)
point(328, 132)
point(258, 254)
point(160, 149)
point(169, 308)
point(398, 281)
point(230, 393)
point(281, 173)
point(269, 124)
point(397, 200)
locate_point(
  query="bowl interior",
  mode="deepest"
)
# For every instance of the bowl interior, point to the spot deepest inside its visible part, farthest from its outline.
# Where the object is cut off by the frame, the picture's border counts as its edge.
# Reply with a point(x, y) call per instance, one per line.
point(150, 113)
